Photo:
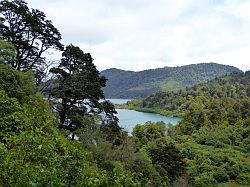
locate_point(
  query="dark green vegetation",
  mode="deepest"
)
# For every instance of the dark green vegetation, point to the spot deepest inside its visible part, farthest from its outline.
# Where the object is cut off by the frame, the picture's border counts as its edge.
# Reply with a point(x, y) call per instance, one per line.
point(38, 145)
point(32, 151)
point(78, 88)
point(31, 34)
point(130, 84)
point(35, 150)
point(214, 135)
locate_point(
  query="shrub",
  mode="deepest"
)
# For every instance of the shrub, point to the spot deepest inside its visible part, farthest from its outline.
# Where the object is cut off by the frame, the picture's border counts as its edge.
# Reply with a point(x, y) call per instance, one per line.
point(243, 178)
point(205, 180)
point(221, 175)
point(167, 159)
point(46, 159)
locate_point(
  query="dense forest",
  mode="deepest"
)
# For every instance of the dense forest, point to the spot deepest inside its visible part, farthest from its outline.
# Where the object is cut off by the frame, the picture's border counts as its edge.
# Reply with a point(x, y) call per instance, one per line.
point(226, 88)
point(130, 84)
point(71, 136)
point(214, 134)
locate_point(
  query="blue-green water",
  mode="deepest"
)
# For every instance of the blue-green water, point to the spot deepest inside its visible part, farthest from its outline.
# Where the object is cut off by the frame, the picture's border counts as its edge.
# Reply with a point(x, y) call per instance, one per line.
point(118, 101)
point(129, 118)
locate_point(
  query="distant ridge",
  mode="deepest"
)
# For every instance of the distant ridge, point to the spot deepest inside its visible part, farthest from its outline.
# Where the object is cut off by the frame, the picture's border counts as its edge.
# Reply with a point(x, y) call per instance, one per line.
point(131, 84)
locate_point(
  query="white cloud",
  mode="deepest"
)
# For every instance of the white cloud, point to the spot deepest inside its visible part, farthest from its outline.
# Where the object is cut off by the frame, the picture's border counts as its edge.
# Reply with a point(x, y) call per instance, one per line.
point(143, 34)
point(239, 9)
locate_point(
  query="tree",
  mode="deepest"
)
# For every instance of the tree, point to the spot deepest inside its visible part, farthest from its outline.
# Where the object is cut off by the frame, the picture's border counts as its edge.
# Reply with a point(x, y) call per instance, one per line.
point(79, 88)
point(15, 83)
point(167, 159)
point(148, 132)
point(30, 33)
point(33, 152)
point(21, 107)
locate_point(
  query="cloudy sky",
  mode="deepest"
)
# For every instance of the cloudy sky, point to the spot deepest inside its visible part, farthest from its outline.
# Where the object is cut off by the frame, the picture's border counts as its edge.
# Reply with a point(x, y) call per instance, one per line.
point(145, 34)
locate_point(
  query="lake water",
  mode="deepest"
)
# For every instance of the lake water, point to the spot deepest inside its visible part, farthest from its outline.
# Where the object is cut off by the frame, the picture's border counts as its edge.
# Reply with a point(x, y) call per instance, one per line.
point(129, 118)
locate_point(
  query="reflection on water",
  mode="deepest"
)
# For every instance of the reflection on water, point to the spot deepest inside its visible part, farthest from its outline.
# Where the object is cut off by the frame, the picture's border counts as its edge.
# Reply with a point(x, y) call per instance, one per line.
point(129, 118)
point(119, 101)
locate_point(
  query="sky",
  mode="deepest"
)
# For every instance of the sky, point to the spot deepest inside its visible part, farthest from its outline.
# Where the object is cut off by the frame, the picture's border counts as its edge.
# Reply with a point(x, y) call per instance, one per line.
point(146, 34)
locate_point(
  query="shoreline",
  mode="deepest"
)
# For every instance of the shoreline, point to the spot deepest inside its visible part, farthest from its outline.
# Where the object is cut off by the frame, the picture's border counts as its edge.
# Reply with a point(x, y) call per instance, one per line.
point(149, 110)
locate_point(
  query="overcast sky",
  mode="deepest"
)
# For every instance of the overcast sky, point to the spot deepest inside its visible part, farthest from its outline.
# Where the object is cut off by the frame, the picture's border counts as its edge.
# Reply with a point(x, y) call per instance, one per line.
point(145, 34)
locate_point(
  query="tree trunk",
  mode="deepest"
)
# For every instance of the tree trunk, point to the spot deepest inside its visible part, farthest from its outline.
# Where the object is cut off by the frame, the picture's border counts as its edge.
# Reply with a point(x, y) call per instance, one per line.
point(62, 114)
point(73, 136)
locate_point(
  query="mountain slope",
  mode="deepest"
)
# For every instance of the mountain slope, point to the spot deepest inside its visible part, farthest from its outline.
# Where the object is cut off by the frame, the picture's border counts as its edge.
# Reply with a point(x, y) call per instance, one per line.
point(227, 89)
point(130, 84)
point(214, 133)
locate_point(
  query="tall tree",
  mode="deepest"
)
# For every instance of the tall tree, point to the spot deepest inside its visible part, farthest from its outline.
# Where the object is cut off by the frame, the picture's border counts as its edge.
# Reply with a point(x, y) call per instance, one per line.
point(79, 89)
point(29, 31)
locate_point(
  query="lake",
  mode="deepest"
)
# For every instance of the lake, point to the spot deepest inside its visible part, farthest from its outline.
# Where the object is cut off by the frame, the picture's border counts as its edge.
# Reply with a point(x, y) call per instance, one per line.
point(129, 118)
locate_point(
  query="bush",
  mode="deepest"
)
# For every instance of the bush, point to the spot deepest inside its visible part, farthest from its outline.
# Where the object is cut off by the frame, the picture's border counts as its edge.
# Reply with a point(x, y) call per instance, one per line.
point(120, 160)
point(233, 170)
point(167, 159)
point(205, 180)
point(12, 117)
point(150, 131)
point(243, 178)
point(17, 84)
point(46, 159)
point(221, 175)
point(16, 118)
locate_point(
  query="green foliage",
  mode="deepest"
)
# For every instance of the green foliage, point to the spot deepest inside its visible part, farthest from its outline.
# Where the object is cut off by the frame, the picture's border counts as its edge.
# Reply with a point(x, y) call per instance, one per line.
point(21, 109)
point(149, 132)
point(120, 160)
point(214, 133)
point(167, 159)
point(243, 178)
point(161, 150)
point(16, 84)
point(35, 154)
point(12, 117)
point(220, 135)
point(222, 164)
point(205, 180)
point(130, 84)
point(7, 52)
point(227, 96)
point(30, 32)
point(16, 118)
point(39, 158)
point(220, 175)
point(78, 89)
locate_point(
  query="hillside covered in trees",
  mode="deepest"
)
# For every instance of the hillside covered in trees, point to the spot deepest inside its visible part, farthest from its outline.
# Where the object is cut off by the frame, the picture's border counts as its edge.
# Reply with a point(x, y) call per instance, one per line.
point(226, 89)
point(214, 134)
point(130, 84)
point(71, 136)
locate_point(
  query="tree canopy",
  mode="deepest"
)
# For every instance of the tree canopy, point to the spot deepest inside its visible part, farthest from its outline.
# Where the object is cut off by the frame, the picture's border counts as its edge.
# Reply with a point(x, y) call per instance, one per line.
point(210, 145)
point(78, 87)
point(33, 152)
point(214, 132)
point(131, 84)
point(30, 32)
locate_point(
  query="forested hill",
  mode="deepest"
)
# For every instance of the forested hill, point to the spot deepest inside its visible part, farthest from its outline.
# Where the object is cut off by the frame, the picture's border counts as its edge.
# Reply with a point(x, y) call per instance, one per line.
point(214, 133)
point(130, 84)
point(226, 90)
